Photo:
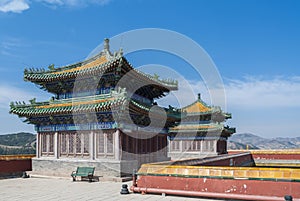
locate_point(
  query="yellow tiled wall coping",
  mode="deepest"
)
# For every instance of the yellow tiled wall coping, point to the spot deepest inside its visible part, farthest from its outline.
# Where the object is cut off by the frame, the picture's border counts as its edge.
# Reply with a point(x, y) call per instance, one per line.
point(213, 171)
point(16, 157)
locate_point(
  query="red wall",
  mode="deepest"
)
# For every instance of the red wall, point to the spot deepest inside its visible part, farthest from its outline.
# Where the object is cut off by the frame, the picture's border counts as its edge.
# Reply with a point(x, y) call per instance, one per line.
point(14, 166)
point(227, 186)
point(271, 155)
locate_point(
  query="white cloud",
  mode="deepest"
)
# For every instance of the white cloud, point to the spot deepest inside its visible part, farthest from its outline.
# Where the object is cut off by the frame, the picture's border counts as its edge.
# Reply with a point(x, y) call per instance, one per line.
point(74, 3)
point(59, 2)
point(15, 6)
point(9, 93)
point(12, 93)
point(18, 6)
point(264, 93)
point(266, 107)
point(247, 93)
point(9, 45)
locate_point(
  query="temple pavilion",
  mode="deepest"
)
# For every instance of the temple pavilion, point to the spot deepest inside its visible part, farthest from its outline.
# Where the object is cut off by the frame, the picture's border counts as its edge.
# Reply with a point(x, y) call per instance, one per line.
point(201, 133)
point(97, 119)
point(103, 113)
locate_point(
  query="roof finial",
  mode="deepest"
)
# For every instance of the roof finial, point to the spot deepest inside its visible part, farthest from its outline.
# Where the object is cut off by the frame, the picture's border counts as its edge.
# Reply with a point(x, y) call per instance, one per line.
point(106, 44)
point(199, 96)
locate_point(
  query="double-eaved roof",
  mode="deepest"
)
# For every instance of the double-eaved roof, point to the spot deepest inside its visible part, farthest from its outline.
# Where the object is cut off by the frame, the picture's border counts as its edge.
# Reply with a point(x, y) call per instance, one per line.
point(199, 107)
point(104, 63)
point(200, 117)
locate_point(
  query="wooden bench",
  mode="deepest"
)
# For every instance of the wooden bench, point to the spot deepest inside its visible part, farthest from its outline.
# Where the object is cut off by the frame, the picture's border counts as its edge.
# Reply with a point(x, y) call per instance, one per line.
point(83, 172)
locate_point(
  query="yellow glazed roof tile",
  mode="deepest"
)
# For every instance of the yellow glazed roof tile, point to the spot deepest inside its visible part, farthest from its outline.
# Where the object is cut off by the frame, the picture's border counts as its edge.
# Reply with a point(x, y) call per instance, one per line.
point(94, 63)
point(197, 107)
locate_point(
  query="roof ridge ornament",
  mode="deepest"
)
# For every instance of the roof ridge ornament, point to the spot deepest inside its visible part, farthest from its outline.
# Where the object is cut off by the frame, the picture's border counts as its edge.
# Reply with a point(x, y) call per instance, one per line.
point(107, 53)
point(32, 101)
point(51, 67)
point(106, 50)
point(106, 44)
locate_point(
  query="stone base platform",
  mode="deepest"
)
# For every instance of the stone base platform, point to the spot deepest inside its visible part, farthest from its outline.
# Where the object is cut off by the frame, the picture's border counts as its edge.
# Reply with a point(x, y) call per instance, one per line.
point(95, 179)
point(105, 170)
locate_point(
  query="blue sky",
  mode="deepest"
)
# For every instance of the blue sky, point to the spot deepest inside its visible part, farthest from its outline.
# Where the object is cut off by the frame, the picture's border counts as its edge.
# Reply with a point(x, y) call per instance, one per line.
point(254, 44)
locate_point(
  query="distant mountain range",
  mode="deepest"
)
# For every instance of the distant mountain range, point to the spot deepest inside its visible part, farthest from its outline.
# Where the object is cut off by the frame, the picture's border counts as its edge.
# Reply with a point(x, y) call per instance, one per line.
point(17, 143)
point(240, 141)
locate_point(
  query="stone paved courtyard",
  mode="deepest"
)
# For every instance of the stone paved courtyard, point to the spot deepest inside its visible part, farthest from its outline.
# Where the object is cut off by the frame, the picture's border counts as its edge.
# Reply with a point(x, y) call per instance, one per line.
point(47, 189)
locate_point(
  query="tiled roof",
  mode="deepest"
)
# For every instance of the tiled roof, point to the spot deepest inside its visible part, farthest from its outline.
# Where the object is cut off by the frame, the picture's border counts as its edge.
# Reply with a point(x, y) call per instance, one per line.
point(68, 106)
point(202, 128)
point(197, 127)
point(98, 61)
point(199, 107)
point(87, 104)
point(97, 66)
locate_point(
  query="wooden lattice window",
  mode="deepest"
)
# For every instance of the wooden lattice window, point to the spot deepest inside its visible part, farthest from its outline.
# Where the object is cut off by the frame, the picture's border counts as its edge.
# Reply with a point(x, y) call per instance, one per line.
point(175, 145)
point(78, 143)
point(196, 145)
point(63, 143)
point(100, 143)
point(74, 144)
point(47, 144)
point(211, 145)
point(51, 143)
point(86, 143)
point(208, 145)
point(105, 144)
point(192, 145)
point(185, 145)
point(110, 143)
point(44, 143)
point(71, 143)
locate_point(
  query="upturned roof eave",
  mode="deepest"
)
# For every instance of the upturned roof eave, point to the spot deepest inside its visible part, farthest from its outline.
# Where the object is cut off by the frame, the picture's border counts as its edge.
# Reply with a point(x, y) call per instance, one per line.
point(77, 105)
point(212, 127)
point(41, 76)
